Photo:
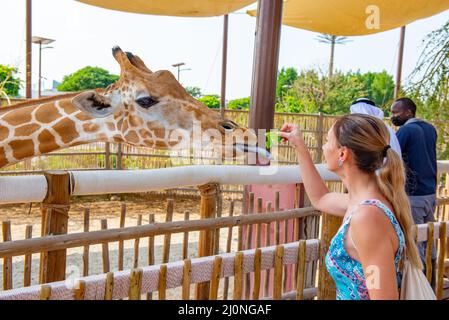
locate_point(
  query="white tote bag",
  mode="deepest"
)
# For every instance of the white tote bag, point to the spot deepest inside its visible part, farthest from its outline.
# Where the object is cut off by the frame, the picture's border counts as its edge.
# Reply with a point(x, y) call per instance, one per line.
point(414, 284)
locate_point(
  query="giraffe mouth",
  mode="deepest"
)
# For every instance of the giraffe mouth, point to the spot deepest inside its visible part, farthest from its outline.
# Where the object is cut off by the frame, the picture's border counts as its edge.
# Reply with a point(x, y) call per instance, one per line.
point(253, 149)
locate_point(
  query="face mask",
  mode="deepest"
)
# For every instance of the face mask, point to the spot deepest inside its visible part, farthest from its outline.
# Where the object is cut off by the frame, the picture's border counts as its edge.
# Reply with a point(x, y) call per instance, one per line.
point(397, 121)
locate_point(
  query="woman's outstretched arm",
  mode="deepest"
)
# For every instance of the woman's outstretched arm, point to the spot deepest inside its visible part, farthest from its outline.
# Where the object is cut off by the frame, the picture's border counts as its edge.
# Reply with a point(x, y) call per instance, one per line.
point(329, 202)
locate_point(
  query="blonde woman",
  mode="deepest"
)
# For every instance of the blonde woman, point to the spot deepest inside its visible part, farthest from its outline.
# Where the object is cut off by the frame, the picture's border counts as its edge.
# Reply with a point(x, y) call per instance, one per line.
point(364, 256)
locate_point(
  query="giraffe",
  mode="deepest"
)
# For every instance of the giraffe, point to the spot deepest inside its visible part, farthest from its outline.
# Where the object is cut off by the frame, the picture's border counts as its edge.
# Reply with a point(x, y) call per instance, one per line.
point(142, 108)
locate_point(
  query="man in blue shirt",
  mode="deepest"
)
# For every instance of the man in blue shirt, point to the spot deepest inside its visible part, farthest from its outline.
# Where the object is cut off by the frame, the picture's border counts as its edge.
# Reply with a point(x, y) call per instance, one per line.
point(418, 144)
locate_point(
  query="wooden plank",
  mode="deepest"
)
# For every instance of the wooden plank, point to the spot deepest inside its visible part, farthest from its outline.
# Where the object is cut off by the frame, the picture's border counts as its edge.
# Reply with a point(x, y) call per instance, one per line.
point(249, 239)
point(86, 248)
point(80, 290)
point(301, 270)
point(22, 247)
point(430, 235)
point(167, 237)
point(58, 201)
point(268, 241)
point(121, 243)
point(259, 225)
point(238, 276)
point(105, 248)
point(185, 241)
point(109, 286)
point(7, 262)
point(136, 243)
point(277, 231)
point(228, 249)
point(135, 284)
point(28, 259)
point(43, 262)
point(186, 275)
point(215, 280)
point(278, 267)
point(163, 282)
point(440, 260)
point(326, 285)
point(208, 207)
point(257, 272)
point(151, 242)
point(45, 293)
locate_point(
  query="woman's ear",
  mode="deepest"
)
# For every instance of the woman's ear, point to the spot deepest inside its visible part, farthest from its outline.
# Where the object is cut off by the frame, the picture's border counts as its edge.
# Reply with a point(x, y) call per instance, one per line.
point(344, 153)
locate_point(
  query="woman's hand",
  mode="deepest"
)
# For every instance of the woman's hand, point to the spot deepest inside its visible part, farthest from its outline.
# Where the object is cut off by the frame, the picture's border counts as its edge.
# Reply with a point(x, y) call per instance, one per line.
point(292, 133)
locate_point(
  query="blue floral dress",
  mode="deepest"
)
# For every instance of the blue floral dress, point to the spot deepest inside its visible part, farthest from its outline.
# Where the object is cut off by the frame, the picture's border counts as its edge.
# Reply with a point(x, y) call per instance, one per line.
point(347, 272)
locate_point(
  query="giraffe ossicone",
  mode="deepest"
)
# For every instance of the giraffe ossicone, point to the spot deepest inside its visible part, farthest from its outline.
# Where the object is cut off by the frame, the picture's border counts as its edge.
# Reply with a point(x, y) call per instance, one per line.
point(143, 108)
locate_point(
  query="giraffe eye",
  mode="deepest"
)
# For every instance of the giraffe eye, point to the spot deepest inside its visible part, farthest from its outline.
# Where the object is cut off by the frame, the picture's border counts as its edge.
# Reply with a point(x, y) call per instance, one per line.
point(146, 102)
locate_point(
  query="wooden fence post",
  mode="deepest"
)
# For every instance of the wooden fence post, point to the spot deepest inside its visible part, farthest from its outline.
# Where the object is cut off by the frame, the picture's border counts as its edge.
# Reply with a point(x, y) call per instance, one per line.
point(320, 127)
point(326, 285)
point(205, 244)
point(107, 153)
point(57, 204)
point(119, 163)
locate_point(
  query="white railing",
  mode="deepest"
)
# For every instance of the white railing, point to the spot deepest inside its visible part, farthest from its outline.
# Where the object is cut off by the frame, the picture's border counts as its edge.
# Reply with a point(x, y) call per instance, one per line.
point(19, 189)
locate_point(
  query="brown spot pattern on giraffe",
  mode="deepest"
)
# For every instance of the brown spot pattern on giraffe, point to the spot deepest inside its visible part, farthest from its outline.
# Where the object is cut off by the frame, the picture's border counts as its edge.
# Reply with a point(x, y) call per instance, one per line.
point(26, 130)
point(16, 118)
point(91, 127)
point(22, 148)
point(47, 113)
point(4, 132)
point(66, 128)
point(47, 142)
point(132, 137)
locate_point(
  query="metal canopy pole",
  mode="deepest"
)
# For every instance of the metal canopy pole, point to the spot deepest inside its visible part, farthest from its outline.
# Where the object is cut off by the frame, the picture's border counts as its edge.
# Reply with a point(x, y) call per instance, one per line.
point(397, 88)
point(266, 56)
point(28, 55)
point(224, 64)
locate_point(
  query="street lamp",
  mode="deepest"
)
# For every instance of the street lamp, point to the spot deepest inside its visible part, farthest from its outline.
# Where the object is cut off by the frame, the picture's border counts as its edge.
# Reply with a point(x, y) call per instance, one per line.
point(41, 41)
point(178, 65)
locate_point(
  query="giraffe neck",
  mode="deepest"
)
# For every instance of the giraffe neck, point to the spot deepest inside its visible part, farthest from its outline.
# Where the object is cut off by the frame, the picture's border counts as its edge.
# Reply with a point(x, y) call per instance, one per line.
point(34, 130)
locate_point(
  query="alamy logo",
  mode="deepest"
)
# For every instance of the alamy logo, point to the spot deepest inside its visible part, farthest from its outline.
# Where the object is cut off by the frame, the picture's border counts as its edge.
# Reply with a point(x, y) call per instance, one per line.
point(373, 19)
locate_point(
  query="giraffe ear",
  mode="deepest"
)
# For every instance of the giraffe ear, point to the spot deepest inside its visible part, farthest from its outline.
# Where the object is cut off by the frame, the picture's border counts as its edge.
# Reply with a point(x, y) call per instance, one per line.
point(94, 104)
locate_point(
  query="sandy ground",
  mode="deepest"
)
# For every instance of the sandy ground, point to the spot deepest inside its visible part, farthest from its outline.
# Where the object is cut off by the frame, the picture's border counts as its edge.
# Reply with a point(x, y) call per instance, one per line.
point(20, 216)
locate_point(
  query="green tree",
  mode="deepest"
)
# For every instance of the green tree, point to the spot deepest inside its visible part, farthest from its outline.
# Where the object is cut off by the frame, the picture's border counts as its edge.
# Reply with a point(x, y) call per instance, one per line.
point(212, 101)
point(194, 92)
point(379, 87)
point(429, 84)
point(239, 104)
point(315, 92)
point(286, 78)
point(9, 83)
point(87, 78)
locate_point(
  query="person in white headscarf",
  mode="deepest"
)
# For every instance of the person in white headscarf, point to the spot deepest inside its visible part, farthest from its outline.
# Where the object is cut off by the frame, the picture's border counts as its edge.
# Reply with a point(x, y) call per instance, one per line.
point(366, 106)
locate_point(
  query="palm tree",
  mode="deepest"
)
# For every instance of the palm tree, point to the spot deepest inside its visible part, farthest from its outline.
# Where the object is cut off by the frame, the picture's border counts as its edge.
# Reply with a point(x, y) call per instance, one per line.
point(332, 40)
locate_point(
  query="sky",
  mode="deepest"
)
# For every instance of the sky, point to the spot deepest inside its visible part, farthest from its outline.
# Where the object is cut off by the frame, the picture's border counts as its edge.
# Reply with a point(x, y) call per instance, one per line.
point(85, 35)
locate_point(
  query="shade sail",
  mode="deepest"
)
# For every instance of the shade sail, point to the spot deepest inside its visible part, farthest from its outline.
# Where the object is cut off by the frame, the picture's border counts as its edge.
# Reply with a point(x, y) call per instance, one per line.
point(183, 8)
point(356, 17)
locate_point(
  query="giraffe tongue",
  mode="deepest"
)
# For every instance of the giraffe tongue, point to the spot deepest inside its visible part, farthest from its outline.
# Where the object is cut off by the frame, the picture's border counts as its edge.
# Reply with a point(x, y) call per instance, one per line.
point(259, 151)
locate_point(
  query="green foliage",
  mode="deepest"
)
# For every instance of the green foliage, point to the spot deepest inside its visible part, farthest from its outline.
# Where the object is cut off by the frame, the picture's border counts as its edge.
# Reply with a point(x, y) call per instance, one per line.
point(379, 87)
point(429, 85)
point(212, 101)
point(194, 92)
point(239, 104)
point(286, 78)
point(87, 78)
point(313, 91)
point(9, 83)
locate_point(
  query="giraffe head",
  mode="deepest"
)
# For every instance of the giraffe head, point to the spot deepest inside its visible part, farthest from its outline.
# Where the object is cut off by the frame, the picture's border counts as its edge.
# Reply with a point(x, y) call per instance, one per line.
point(152, 109)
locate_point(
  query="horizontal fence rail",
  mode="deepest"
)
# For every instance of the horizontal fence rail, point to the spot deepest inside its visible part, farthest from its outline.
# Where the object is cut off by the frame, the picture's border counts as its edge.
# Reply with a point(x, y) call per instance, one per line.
point(33, 188)
point(159, 278)
point(58, 242)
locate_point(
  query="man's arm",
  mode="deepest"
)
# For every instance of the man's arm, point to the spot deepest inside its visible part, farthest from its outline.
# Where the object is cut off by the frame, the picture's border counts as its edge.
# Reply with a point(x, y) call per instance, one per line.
point(403, 135)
